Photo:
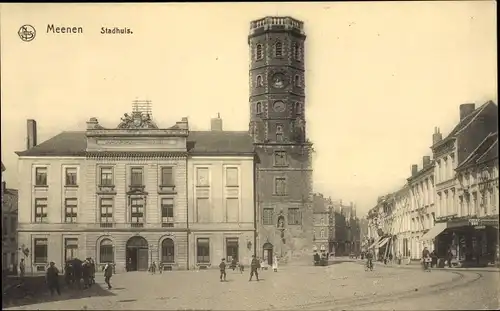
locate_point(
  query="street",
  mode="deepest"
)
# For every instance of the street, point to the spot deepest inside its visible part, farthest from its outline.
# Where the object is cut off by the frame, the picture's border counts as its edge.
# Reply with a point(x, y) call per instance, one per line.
point(343, 285)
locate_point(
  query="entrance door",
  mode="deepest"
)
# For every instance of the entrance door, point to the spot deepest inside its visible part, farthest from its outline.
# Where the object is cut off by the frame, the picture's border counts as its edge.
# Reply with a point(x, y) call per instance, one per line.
point(142, 259)
point(137, 254)
point(268, 253)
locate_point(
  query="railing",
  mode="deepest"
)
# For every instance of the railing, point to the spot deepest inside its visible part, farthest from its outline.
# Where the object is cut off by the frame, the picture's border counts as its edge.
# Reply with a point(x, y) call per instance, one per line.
point(277, 21)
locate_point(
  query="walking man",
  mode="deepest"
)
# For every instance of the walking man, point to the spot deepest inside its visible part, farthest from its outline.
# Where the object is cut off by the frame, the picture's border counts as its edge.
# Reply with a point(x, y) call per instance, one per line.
point(222, 268)
point(426, 258)
point(52, 278)
point(22, 269)
point(254, 266)
point(108, 273)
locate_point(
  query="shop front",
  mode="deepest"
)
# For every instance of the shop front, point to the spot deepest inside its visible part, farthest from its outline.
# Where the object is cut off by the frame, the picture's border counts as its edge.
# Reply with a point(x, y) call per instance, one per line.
point(473, 241)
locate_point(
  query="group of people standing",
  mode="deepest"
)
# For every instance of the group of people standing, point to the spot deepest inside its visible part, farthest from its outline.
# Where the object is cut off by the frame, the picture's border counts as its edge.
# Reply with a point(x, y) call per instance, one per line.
point(255, 265)
point(76, 270)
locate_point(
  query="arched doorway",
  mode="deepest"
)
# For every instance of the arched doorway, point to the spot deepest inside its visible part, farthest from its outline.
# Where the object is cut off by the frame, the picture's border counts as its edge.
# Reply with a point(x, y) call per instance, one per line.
point(267, 253)
point(137, 254)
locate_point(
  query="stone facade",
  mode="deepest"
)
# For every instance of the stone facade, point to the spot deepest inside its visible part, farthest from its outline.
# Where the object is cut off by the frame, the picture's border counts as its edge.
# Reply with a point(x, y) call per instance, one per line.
point(221, 209)
point(277, 125)
point(121, 195)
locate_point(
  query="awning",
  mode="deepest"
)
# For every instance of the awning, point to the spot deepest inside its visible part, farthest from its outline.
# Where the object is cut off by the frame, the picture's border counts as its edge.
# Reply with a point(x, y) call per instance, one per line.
point(383, 242)
point(434, 231)
point(374, 243)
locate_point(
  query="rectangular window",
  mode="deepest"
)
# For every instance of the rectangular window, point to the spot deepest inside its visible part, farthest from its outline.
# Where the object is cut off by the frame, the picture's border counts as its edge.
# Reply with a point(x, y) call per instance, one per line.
point(232, 247)
point(106, 210)
point(294, 216)
point(13, 225)
point(167, 176)
point(267, 216)
point(41, 210)
point(41, 176)
point(70, 210)
point(232, 209)
point(232, 177)
point(202, 250)
point(203, 209)
point(5, 228)
point(202, 177)
point(71, 176)
point(280, 158)
point(137, 210)
point(40, 251)
point(136, 176)
point(167, 211)
point(280, 186)
point(106, 176)
point(70, 248)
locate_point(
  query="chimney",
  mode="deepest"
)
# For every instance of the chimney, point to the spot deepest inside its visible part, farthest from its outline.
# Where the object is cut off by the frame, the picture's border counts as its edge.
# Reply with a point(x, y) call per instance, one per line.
point(466, 109)
point(426, 160)
point(437, 136)
point(216, 123)
point(414, 169)
point(31, 139)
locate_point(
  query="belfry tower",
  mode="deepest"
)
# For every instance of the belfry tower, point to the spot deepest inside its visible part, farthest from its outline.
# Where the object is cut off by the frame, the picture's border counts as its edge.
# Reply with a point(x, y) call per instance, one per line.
point(278, 127)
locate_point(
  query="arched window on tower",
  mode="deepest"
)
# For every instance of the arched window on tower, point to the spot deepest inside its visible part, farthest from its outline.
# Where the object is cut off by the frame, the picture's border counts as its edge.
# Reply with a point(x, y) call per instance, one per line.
point(259, 81)
point(298, 108)
point(296, 80)
point(258, 108)
point(278, 49)
point(258, 51)
point(279, 132)
point(295, 51)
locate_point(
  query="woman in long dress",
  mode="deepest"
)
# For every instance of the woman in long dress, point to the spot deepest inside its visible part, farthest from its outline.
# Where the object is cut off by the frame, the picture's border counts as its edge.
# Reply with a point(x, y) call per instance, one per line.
point(275, 263)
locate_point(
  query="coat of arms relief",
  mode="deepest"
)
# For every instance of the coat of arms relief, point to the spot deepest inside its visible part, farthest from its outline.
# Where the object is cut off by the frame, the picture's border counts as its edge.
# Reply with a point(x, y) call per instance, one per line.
point(138, 120)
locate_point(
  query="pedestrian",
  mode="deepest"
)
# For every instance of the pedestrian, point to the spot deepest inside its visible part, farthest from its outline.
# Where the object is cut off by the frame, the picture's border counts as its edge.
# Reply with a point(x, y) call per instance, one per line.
point(408, 261)
point(222, 267)
point(86, 274)
point(275, 263)
point(52, 279)
point(449, 257)
point(434, 259)
point(22, 269)
point(152, 269)
point(92, 270)
point(426, 259)
point(254, 266)
point(108, 273)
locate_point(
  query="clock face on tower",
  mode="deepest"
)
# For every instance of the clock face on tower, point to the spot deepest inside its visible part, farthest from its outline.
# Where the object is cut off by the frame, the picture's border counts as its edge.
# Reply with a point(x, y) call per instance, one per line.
point(279, 80)
point(279, 106)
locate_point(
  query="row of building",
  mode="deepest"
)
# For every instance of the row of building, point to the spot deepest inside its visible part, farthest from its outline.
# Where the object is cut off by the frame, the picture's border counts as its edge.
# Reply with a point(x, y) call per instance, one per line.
point(450, 202)
point(337, 229)
point(137, 193)
point(9, 225)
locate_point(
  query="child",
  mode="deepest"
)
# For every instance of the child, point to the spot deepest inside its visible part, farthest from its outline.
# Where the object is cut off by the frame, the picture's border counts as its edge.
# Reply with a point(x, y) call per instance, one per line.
point(222, 267)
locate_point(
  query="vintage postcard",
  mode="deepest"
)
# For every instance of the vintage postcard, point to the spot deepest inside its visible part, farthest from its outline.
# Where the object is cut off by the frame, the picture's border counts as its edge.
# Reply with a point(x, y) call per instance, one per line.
point(250, 156)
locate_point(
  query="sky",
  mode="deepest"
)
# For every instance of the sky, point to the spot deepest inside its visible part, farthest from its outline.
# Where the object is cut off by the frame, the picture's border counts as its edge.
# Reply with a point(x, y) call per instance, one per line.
point(379, 76)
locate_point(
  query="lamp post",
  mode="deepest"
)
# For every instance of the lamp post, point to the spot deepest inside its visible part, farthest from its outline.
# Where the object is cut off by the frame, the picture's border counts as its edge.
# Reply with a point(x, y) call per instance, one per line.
point(113, 259)
point(151, 256)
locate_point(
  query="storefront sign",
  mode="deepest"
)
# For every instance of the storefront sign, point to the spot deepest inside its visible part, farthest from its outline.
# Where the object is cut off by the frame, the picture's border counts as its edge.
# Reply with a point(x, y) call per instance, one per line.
point(474, 222)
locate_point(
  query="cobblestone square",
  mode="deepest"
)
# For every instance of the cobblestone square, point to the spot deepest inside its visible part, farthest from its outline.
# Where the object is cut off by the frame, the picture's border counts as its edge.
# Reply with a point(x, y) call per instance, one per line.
point(290, 287)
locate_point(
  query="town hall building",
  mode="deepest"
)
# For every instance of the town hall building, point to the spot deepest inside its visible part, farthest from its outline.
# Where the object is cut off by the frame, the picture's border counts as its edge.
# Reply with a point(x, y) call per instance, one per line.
point(134, 193)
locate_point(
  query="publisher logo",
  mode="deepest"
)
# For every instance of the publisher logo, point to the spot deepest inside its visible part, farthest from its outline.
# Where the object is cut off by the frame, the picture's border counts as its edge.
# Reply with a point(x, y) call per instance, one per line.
point(27, 33)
